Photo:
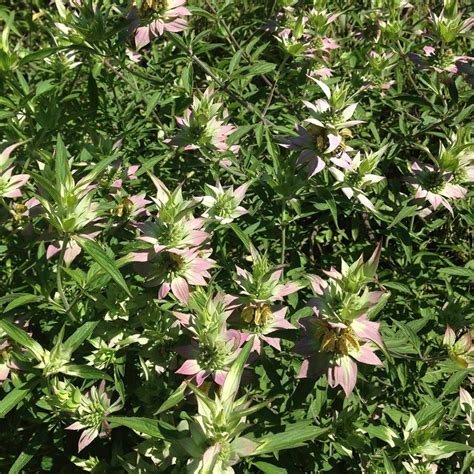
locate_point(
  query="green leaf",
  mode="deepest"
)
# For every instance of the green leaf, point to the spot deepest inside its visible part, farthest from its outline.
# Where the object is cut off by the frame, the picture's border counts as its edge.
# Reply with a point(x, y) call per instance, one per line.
point(242, 236)
point(294, 436)
point(457, 271)
point(261, 68)
point(20, 462)
point(154, 428)
point(430, 414)
point(23, 338)
point(232, 381)
point(454, 382)
point(61, 165)
point(78, 337)
point(388, 464)
point(382, 432)
point(86, 372)
point(7, 298)
point(32, 446)
point(268, 468)
point(439, 449)
point(99, 167)
point(405, 212)
point(39, 55)
point(22, 300)
point(13, 398)
point(104, 261)
point(45, 183)
point(173, 399)
point(152, 102)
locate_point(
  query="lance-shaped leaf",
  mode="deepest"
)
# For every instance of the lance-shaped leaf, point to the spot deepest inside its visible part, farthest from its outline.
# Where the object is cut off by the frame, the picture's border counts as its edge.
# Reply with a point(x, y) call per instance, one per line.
point(99, 168)
point(32, 446)
point(268, 468)
point(104, 261)
point(61, 165)
point(86, 372)
point(232, 381)
point(294, 436)
point(154, 428)
point(78, 337)
point(23, 338)
point(440, 449)
point(15, 396)
point(173, 399)
point(22, 300)
point(209, 459)
point(382, 432)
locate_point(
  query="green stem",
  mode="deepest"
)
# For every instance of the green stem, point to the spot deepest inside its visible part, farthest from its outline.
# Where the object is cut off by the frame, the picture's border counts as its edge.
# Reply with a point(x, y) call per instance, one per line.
point(272, 92)
point(59, 281)
point(6, 206)
point(283, 232)
point(222, 85)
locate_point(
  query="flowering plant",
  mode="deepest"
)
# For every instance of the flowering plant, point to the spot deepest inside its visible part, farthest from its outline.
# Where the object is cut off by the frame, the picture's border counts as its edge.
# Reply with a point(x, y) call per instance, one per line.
point(236, 236)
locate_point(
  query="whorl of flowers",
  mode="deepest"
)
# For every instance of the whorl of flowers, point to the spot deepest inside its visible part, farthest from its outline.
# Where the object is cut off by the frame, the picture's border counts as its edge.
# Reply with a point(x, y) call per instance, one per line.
point(340, 328)
point(152, 18)
point(323, 138)
point(223, 205)
point(10, 184)
point(204, 125)
point(92, 413)
point(171, 256)
point(357, 175)
point(443, 181)
point(258, 303)
point(214, 346)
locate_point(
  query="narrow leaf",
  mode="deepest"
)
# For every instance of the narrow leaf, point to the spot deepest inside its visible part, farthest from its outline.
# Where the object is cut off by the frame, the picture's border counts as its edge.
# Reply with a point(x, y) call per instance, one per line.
point(105, 262)
point(86, 372)
point(153, 428)
point(22, 300)
point(13, 398)
point(173, 399)
point(294, 436)
point(232, 381)
point(23, 338)
point(79, 336)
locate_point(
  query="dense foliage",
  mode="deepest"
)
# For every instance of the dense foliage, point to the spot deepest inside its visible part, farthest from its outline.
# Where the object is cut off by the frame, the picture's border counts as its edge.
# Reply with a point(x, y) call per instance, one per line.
point(236, 236)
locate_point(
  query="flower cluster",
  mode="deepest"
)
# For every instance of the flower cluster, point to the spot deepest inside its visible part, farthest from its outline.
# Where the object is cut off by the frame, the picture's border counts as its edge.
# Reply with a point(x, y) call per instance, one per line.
point(340, 327)
point(203, 126)
point(152, 18)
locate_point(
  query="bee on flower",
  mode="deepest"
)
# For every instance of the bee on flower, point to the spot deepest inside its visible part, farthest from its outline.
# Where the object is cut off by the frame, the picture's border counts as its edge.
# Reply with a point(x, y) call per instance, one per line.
point(340, 331)
point(259, 300)
point(129, 207)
